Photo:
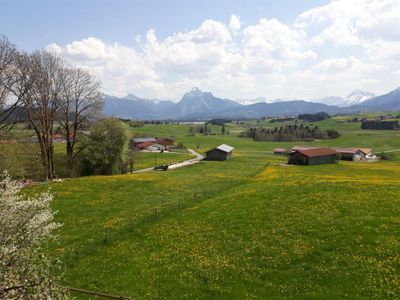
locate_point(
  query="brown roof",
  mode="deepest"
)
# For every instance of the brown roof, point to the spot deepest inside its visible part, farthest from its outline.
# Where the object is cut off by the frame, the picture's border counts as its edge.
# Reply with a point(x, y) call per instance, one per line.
point(145, 144)
point(347, 150)
point(316, 152)
point(365, 150)
point(166, 142)
point(353, 150)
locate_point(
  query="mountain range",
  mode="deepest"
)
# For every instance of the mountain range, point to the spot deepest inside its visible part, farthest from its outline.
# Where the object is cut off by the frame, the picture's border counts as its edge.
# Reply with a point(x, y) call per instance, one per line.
point(200, 105)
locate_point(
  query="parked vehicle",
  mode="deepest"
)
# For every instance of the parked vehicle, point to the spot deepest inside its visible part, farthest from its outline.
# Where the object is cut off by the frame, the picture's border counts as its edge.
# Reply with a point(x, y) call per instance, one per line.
point(161, 168)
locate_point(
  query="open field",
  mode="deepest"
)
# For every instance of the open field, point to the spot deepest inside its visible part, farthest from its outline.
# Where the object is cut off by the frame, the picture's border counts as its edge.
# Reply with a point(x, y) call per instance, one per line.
point(352, 136)
point(241, 229)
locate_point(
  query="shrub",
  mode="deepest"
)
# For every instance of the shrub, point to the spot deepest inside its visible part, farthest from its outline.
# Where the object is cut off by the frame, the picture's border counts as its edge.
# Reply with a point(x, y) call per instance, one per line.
point(104, 147)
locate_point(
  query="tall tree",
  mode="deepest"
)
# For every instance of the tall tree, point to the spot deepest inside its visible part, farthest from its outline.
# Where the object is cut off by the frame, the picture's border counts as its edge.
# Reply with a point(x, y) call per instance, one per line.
point(104, 146)
point(40, 84)
point(80, 102)
point(8, 55)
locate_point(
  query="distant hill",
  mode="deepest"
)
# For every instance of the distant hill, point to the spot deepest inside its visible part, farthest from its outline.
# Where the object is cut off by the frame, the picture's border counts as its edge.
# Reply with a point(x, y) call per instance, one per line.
point(285, 108)
point(132, 107)
point(199, 105)
point(386, 102)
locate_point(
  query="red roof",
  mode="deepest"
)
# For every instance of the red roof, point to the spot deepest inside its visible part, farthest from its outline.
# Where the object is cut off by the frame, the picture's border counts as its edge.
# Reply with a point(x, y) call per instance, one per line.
point(145, 144)
point(166, 142)
point(347, 150)
point(316, 152)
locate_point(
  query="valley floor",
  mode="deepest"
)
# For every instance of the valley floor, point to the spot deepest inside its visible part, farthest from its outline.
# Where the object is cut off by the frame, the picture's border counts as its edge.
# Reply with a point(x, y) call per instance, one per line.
point(247, 228)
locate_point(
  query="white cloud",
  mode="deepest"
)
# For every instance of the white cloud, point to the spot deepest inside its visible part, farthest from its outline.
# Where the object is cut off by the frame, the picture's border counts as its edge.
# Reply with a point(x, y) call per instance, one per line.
point(234, 23)
point(353, 22)
point(328, 49)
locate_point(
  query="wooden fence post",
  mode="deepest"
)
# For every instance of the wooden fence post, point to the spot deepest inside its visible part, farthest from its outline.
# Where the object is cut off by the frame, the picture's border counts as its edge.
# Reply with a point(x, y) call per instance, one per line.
point(106, 235)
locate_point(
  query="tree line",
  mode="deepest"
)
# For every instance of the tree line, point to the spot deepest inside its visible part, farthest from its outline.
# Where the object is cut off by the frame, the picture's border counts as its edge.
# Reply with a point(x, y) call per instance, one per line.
point(289, 133)
point(380, 125)
point(46, 91)
point(314, 117)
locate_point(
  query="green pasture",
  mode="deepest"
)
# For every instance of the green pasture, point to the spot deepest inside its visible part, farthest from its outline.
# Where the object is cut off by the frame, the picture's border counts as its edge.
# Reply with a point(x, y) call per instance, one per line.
point(248, 228)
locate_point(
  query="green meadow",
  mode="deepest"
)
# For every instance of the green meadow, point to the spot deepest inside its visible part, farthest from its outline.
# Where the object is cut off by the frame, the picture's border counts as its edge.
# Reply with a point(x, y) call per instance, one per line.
point(248, 228)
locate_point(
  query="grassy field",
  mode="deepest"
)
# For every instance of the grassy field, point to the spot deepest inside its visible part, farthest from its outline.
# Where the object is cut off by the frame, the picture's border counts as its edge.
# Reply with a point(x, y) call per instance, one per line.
point(249, 228)
point(352, 136)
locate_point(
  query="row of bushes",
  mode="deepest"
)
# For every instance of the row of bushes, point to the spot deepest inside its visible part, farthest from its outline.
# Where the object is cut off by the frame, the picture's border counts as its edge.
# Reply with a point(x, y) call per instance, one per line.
point(290, 133)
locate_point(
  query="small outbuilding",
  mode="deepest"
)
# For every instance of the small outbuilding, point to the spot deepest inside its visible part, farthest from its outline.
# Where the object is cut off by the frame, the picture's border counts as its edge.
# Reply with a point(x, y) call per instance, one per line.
point(315, 156)
point(222, 152)
point(354, 154)
point(281, 151)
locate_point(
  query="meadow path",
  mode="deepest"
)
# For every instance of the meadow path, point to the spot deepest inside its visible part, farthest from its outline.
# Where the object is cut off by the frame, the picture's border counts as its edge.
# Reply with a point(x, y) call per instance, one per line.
point(198, 157)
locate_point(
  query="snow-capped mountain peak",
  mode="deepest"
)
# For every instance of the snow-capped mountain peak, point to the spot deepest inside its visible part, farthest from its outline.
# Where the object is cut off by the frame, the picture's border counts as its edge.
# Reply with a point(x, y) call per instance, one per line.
point(357, 96)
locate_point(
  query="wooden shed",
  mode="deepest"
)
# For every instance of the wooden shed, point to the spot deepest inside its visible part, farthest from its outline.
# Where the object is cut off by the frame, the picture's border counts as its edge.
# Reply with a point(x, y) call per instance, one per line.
point(314, 156)
point(281, 151)
point(222, 152)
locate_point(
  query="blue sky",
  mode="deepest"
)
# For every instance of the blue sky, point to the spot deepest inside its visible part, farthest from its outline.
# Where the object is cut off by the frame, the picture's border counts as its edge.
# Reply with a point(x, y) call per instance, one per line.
point(236, 49)
point(35, 24)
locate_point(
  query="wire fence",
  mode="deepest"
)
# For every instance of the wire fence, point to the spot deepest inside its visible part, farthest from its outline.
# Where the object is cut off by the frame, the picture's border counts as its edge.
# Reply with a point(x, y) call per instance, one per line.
point(171, 208)
point(93, 293)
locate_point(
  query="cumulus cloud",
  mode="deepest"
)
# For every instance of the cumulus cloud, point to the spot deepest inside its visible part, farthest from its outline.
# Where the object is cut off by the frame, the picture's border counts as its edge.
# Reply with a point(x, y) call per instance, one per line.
point(234, 23)
point(343, 43)
point(354, 21)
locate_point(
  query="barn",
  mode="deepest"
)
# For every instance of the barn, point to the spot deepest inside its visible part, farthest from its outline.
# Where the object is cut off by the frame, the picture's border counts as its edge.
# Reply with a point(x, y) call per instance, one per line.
point(150, 146)
point(135, 142)
point(354, 153)
point(222, 152)
point(166, 142)
point(315, 156)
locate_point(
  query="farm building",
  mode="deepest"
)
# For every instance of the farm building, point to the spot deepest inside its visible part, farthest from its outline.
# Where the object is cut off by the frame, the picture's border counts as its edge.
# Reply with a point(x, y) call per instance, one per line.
point(135, 142)
point(222, 152)
point(166, 142)
point(354, 153)
point(155, 147)
point(151, 144)
point(281, 151)
point(315, 156)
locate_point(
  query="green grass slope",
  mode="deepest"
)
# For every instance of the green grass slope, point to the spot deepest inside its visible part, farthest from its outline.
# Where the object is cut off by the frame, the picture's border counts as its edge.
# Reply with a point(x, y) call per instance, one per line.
point(247, 228)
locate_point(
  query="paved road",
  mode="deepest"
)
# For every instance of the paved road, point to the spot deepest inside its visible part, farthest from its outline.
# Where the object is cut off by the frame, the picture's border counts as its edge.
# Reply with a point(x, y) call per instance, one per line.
point(198, 157)
point(394, 150)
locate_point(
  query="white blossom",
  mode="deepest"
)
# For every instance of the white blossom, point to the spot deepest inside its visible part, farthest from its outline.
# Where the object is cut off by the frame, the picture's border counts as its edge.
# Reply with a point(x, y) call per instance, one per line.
point(26, 224)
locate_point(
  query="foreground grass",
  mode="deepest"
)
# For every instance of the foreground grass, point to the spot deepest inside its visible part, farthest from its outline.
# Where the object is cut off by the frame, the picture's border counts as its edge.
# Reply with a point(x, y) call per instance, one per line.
point(247, 228)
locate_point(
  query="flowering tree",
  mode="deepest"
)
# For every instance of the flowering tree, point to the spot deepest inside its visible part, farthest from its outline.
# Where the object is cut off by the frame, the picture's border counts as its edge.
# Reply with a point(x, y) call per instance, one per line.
point(25, 225)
